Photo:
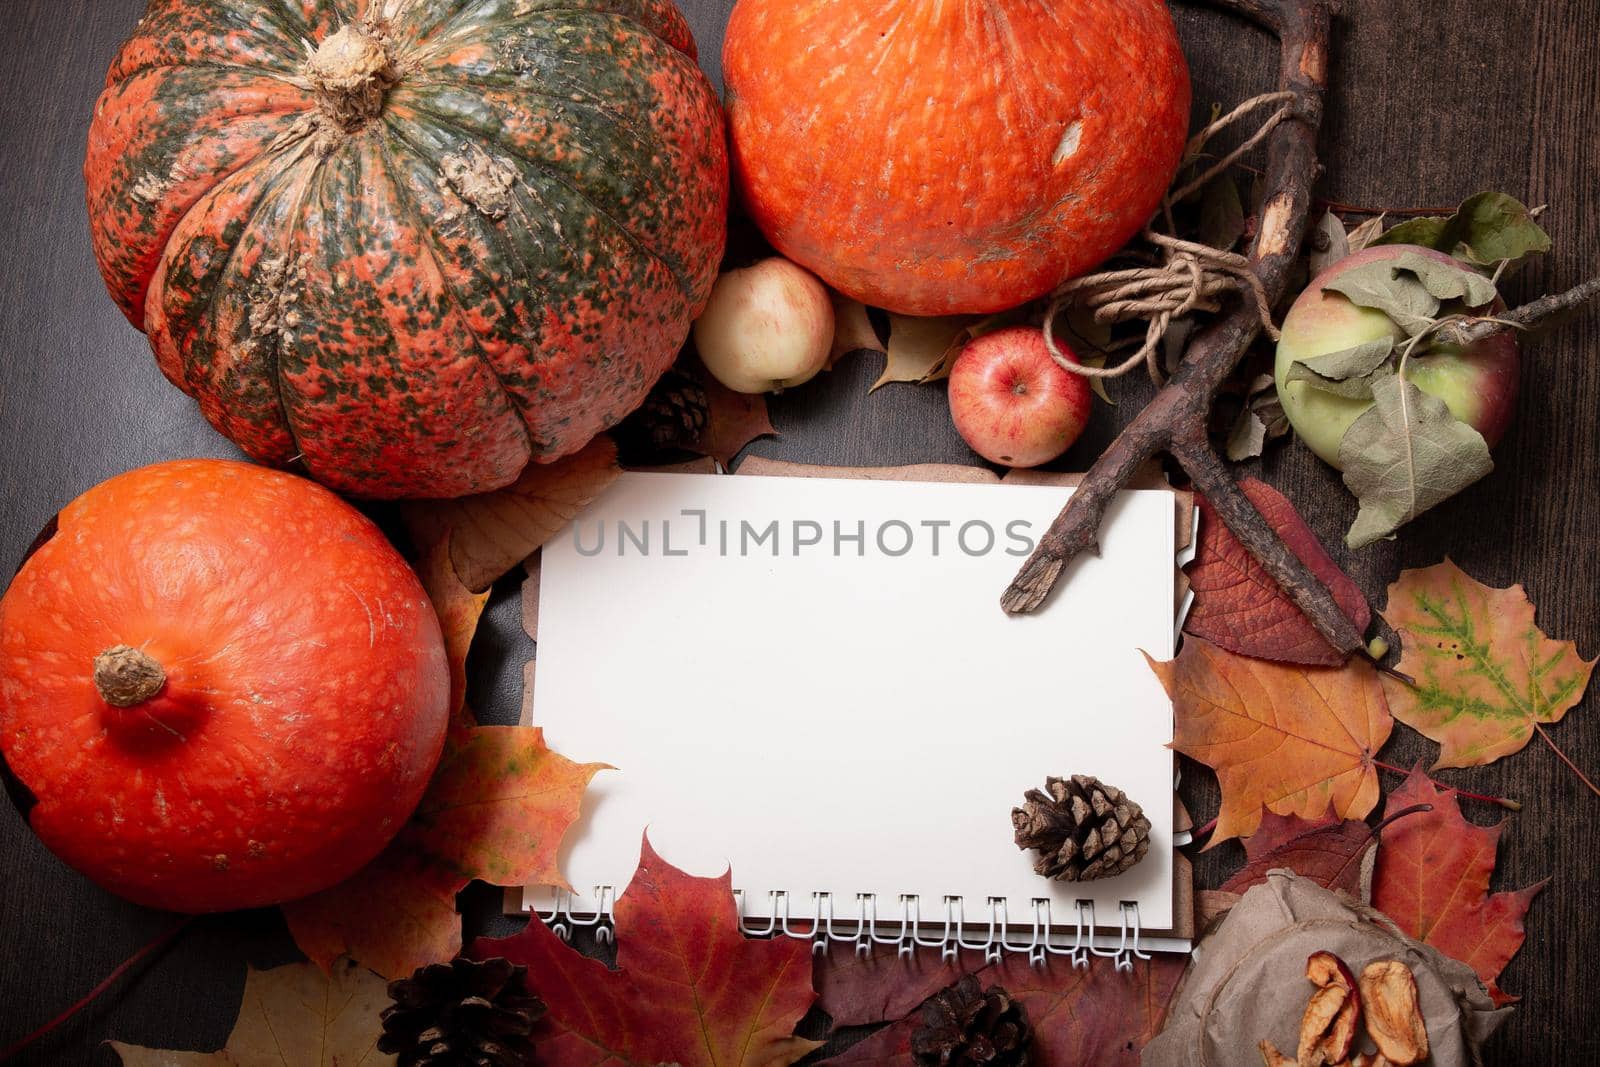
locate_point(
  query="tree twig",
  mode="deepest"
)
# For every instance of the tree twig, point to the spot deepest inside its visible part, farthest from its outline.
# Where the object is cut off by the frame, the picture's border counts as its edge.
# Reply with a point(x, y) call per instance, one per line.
point(1537, 314)
point(1175, 421)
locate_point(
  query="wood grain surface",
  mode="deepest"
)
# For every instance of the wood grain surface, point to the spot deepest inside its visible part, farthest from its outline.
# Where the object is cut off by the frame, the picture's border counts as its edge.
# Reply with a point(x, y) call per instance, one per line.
point(1433, 100)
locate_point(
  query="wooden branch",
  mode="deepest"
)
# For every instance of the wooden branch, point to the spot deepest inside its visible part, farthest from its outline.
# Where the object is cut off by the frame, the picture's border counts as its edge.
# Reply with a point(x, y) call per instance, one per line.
point(1175, 421)
point(1538, 314)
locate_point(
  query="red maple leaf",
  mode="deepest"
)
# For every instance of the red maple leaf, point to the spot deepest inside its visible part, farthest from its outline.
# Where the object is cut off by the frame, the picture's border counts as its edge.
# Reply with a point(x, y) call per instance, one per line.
point(1330, 851)
point(689, 988)
point(1237, 604)
point(1433, 881)
point(1100, 1015)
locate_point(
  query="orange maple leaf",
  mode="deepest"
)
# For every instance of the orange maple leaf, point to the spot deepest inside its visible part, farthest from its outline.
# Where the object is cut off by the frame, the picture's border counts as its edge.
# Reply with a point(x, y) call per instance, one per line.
point(689, 988)
point(1433, 880)
point(496, 810)
point(1486, 676)
point(1291, 739)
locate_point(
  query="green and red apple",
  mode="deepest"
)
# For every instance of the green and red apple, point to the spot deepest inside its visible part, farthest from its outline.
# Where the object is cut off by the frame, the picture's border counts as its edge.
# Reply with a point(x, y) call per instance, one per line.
point(1478, 384)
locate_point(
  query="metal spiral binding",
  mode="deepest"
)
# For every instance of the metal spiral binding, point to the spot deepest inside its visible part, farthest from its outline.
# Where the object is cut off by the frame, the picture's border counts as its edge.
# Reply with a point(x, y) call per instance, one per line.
point(822, 929)
point(564, 921)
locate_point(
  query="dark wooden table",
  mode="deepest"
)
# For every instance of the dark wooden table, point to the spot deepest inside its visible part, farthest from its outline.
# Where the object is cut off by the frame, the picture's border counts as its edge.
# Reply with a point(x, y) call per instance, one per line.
point(1434, 100)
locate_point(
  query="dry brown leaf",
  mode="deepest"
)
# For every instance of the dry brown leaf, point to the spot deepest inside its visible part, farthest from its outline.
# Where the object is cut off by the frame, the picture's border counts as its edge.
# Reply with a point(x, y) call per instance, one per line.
point(1285, 738)
point(852, 330)
point(294, 1016)
point(733, 419)
point(920, 349)
point(1366, 233)
point(493, 532)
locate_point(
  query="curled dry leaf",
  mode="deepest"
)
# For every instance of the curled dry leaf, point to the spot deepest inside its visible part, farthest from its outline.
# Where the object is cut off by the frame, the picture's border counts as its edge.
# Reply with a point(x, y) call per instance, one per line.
point(1394, 1018)
point(921, 350)
point(1291, 739)
point(292, 1015)
point(1237, 604)
point(493, 532)
point(1433, 876)
point(689, 989)
point(1486, 675)
point(497, 810)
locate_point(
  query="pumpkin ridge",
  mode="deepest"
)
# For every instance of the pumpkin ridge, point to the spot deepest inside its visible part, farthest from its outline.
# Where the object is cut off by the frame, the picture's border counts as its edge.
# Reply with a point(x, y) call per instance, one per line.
point(285, 76)
point(637, 133)
point(564, 180)
point(261, 161)
point(425, 243)
point(433, 41)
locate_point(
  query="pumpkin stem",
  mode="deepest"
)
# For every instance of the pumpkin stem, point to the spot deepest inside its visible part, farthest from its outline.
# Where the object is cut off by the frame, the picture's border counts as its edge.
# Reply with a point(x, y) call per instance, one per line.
point(125, 676)
point(351, 71)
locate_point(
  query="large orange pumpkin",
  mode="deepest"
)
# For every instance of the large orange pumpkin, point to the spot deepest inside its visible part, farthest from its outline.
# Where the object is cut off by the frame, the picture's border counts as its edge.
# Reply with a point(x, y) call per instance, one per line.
point(943, 156)
point(410, 244)
point(221, 686)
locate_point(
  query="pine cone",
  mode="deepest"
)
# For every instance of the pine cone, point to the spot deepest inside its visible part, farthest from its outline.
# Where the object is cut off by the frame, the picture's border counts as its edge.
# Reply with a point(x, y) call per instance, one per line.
point(1082, 828)
point(966, 1025)
point(462, 1014)
point(672, 417)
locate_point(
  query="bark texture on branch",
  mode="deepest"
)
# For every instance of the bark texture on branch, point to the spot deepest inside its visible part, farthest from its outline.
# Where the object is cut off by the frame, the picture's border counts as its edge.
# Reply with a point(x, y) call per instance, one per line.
point(1534, 315)
point(1175, 421)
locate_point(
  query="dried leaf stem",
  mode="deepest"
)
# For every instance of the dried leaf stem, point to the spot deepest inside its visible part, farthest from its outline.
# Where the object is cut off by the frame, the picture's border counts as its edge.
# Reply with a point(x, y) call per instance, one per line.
point(1175, 421)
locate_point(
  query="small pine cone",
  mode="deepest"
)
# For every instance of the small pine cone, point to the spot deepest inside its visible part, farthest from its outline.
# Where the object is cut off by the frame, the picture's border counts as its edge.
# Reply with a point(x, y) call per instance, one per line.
point(967, 1026)
point(462, 1014)
point(1083, 829)
point(672, 417)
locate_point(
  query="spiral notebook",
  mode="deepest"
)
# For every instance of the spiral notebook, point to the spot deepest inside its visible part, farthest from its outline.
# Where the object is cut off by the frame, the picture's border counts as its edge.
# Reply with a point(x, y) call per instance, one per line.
point(811, 680)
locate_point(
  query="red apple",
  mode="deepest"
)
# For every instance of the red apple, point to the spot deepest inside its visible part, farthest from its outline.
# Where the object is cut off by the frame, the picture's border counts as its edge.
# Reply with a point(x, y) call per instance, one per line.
point(1013, 403)
point(1478, 384)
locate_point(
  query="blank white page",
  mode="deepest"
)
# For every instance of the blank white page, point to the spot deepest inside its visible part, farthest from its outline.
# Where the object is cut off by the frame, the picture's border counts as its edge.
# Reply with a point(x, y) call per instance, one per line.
point(851, 717)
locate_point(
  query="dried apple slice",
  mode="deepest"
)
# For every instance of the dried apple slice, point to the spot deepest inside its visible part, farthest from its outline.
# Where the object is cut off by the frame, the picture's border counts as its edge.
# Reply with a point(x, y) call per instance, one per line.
point(1272, 1057)
point(1321, 1014)
point(1327, 971)
point(1394, 1018)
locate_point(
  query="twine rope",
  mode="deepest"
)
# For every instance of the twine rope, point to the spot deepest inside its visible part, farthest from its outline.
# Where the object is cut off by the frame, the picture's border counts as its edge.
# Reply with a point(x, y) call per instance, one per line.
point(1191, 276)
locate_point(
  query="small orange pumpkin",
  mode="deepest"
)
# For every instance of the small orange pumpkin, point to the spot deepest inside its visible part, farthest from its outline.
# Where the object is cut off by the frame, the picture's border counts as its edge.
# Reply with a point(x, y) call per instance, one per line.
point(221, 685)
point(941, 156)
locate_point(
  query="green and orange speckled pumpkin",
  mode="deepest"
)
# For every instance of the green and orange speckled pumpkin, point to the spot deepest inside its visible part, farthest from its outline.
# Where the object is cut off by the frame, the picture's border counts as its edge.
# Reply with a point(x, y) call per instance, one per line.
point(412, 244)
point(935, 157)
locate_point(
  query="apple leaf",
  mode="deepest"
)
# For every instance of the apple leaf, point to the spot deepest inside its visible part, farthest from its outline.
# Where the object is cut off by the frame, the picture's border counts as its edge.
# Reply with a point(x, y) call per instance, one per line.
point(1348, 372)
point(1487, 229)
point(1412, 288)
point(1097, 1016)
point(1433, 880)
point(920, 350)
point(1486, 675)
point(497, 809)
point(1237, 604)
point(1286, 738)
point(852, 330)
point(293, 1016)
point(1333, 852)
point(1329, 244)
point(1404, 455)
point(1222, 220)
point(689, 989)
